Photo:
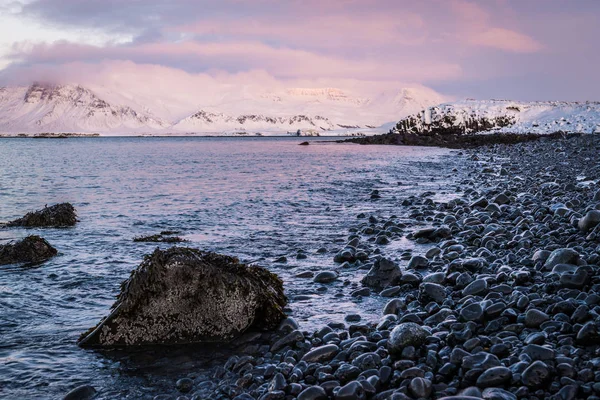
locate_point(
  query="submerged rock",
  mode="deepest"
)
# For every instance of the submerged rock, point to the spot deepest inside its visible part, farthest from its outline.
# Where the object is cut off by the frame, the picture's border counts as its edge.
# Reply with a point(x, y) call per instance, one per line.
point(83, 392)
point(56, 216)
point(184, 295)
point(161, 238)
point(32, 249)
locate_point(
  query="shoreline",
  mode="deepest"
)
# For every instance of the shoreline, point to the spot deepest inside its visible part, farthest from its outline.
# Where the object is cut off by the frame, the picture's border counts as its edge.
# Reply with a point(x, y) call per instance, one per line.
point(506, 302)
point(455, 141)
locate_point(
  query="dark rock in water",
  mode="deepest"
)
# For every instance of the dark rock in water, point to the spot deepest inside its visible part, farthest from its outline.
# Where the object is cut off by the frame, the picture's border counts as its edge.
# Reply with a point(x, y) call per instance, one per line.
point(407, 334)
point(325, 277)
point(590, 221)
point(56, 216)
point(158, 239)
point(304, 144)
point(32, 249)
point(184, 295)
point(383, 274)
point(83, 392)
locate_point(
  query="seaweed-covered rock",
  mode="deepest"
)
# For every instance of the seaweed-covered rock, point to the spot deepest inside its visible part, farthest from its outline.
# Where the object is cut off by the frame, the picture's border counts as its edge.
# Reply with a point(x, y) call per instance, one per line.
point(32, 249)
point(56, 216)
point(184, 295)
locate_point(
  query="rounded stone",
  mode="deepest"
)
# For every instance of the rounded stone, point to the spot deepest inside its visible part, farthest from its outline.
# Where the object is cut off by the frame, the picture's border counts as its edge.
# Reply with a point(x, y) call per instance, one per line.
point(325, 277)
point(322, 353)
point(495, 376)
point(406, 334)
point(534, 318)
point(589, 221)
point(184, 385)
point(420, 387)
point(351, 391)
point(535, 375)
point(83, 392)
point(472, 312)
point(313, 393)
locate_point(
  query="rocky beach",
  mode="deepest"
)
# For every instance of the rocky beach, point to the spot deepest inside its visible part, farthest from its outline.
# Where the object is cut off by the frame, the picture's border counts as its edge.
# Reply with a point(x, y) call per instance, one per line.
point(504, 304)
point(484, 285)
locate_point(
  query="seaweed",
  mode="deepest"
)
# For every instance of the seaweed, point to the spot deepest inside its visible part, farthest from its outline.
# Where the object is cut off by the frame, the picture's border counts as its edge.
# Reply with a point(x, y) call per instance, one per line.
point(185, 295)
point(56, 216)
point(32, 249)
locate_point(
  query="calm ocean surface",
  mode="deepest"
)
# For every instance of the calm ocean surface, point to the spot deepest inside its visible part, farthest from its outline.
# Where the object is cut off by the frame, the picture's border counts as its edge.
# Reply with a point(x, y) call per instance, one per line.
point(255, 198)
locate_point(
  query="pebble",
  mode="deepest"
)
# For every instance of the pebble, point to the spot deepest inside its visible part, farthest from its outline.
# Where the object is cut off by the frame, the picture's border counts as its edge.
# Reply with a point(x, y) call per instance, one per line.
point(325, 277)
point(535, 375)
point(322, 353)
point(184, 385)
point(534, 318)
point(407, 334)
point(313, 393)
point(495, 376)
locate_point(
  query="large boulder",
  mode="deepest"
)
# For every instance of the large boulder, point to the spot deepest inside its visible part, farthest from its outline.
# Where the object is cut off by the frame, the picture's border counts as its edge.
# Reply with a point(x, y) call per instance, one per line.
point(56, 216)
point(184, 295)
point(32, 249)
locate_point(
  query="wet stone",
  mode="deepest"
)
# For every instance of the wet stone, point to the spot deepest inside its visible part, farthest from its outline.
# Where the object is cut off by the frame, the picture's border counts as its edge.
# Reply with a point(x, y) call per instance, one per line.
point(406, 334)
point(83, 392)
point(535, 375)
point(325, 277)
point(420, 387)
point(477, 287)
point(472, 312)
point(313, 393)
point(322, 353)
point(184, 385)
point(351, 391)
point(496, 376)
point(534, 318)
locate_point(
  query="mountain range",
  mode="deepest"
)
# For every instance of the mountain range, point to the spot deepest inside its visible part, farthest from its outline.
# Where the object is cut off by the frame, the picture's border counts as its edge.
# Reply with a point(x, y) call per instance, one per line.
point(46, 108)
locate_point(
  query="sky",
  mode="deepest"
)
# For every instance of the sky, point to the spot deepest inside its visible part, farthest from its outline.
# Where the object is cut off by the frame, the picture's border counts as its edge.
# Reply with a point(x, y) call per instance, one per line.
point(509, 49)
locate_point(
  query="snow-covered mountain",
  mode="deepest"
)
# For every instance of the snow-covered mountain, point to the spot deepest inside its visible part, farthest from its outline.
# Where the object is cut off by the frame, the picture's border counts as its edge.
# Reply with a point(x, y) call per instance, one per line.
point(45, 108)
point(203, 121)
point(470, 116)
point(223, 110)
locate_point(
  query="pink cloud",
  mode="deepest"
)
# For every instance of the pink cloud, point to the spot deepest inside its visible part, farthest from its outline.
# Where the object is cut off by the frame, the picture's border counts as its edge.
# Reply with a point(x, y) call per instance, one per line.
point(278, 61)
point(477, 29)
point(321, 31)
point(506, 39)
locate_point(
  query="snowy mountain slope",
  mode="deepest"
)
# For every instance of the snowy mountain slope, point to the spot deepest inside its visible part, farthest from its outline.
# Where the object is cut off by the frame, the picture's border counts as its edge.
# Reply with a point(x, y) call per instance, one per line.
point(203, 121)
point(470, 116)
point(44, 108)
point(218, 110)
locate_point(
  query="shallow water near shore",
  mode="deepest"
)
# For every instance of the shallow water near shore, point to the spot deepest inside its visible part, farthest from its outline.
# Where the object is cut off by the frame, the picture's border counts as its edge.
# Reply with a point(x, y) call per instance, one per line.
point(258, 199)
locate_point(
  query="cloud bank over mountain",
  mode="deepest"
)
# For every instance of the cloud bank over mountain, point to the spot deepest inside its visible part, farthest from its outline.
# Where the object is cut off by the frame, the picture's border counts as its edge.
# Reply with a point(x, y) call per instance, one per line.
point(503, 48)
